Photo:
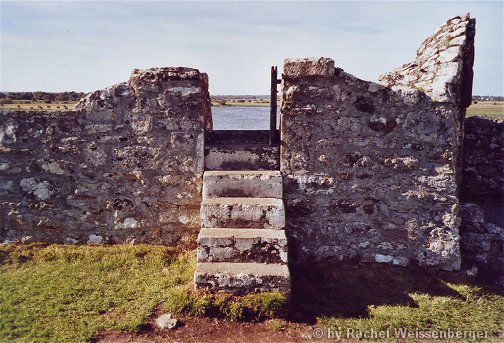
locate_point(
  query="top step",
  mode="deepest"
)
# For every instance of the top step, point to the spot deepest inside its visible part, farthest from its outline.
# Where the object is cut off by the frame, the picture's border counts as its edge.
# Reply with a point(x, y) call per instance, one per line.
point(242, 183)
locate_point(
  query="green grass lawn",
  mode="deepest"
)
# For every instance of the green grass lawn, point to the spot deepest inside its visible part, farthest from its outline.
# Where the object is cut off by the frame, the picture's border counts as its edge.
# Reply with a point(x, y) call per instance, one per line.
point(490, 109)
point(26, 105)
point(63, 293)
point(471, 310)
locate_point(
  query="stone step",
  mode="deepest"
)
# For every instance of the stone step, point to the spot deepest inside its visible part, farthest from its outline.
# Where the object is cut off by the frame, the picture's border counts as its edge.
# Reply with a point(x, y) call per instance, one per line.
point(242, 157)
point(240, 278)
point(243, 183)
point(247, 213)
point(242, 245)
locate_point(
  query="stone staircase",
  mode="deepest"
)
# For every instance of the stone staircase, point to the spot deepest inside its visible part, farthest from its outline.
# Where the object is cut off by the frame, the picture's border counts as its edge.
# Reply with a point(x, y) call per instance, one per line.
point(242, 245)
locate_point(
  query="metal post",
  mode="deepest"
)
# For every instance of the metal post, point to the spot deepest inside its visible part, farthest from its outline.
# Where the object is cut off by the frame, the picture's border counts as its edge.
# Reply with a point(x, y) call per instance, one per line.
point(273, 105)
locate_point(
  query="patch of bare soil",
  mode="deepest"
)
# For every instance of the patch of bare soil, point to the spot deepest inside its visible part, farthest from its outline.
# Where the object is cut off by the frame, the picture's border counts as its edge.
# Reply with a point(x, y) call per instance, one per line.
point(201, 330)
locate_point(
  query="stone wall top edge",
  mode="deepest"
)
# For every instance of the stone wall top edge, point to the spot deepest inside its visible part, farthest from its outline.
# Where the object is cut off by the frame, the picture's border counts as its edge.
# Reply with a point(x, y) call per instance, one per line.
point(485, 119)
point(176, 73)
point(441, 70)
point(308, 66)
point(443, 64)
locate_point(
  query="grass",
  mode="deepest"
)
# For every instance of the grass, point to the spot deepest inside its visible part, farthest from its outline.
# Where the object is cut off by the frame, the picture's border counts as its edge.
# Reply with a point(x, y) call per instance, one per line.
point(472, 310)
point(278, 324)
point(490, 109)
point(376, 298)
point(65, 293)
point(26, 105)
point(254, 306)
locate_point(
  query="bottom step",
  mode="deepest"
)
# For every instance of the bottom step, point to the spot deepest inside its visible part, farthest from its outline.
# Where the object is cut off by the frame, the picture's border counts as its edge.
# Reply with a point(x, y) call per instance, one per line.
point(240, 278)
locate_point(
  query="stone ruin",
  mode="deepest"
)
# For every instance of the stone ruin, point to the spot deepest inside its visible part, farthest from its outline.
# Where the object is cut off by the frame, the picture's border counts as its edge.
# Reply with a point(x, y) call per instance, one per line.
point(380, 182)
point(388, 172)
point(126, 165)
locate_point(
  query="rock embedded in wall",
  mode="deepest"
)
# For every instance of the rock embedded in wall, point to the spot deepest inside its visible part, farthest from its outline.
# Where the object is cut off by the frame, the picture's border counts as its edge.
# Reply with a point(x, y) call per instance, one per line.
point(372, 170)
point(124, 166)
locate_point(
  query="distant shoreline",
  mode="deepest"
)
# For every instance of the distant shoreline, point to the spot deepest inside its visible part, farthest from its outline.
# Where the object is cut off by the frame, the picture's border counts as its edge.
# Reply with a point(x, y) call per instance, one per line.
point(241, 104)
point(487, 108)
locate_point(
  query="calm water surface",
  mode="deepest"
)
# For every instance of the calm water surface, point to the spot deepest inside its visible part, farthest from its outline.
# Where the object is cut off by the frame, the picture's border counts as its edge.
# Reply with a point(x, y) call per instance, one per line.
point(241, 118)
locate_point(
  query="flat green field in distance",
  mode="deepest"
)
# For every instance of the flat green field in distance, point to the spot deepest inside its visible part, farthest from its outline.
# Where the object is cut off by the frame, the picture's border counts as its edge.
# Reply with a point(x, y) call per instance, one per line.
point(27, 105)
point(490, 109)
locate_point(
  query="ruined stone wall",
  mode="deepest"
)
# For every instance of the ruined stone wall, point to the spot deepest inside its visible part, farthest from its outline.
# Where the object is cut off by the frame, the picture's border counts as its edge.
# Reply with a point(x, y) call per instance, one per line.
point(482, 196)
point(372, 171)
point(125, 165)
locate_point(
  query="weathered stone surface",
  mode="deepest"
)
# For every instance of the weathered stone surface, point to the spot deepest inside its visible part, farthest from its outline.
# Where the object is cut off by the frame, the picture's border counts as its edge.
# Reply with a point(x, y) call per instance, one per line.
point(125, 165)
point(240, 150)
point(442, 69)
point(165, 321)
point(301, 67)
point(372, 171)
point(240, 278)
point(254, 184)
point(258, 213)
point(242, 245)
point(242, 157)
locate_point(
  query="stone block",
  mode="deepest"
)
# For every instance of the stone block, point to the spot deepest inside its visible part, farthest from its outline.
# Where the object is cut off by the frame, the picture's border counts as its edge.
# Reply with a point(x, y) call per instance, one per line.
point(242, 245)
point(254, 184)
point(246, 157)
point(105, 171)
point(259, 213)
point(301, 67)
point(355, 153)
point(241, 278)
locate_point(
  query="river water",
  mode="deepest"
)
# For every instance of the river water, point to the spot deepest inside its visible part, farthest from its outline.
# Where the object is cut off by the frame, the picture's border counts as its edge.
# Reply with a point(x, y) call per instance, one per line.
point(241, 118)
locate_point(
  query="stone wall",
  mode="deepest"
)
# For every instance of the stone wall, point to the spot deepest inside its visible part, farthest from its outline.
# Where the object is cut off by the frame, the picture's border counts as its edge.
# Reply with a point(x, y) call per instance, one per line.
point(482, 196)
point(372, 171)
point(125, 165)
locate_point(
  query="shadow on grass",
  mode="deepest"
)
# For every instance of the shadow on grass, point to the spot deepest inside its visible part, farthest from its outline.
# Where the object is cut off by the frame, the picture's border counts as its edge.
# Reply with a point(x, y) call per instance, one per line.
point(327, 289)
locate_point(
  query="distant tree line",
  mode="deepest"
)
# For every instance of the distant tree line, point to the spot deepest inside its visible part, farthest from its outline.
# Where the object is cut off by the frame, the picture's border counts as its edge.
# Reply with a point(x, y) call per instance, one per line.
point(43, 96)
point(487, 98)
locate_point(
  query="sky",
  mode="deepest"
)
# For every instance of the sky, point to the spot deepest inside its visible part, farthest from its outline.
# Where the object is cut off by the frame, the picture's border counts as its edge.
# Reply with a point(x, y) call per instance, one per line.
point(83, 46)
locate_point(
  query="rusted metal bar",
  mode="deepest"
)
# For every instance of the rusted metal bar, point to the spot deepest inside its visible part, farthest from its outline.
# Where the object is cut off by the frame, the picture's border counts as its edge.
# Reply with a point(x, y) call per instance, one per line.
point(273, 105)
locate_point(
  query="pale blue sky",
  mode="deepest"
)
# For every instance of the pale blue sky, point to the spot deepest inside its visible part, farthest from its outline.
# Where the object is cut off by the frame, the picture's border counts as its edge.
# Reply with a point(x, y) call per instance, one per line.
point(84, 46)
